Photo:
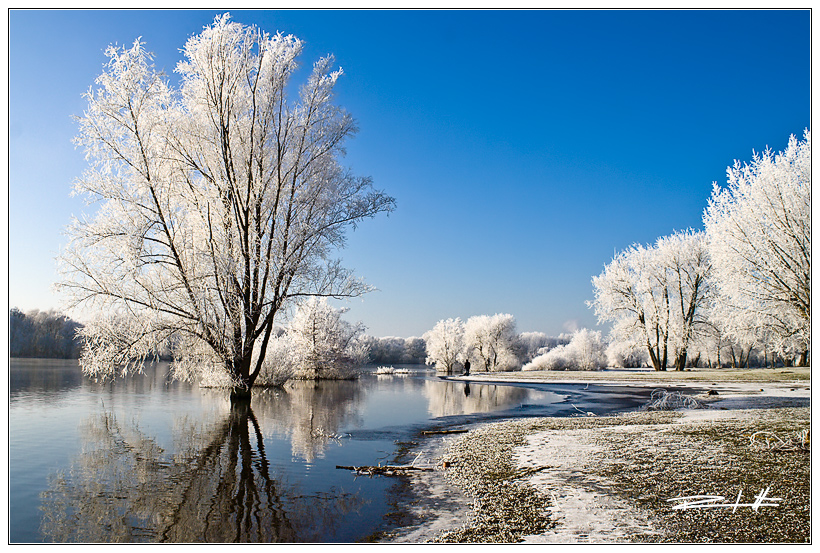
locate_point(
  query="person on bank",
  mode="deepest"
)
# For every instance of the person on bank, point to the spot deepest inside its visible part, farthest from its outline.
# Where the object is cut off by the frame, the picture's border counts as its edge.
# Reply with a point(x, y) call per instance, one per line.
point(467, 368)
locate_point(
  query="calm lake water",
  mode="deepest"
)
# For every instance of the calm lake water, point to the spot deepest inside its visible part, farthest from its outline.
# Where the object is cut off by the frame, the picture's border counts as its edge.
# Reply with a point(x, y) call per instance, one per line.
point(148, 459)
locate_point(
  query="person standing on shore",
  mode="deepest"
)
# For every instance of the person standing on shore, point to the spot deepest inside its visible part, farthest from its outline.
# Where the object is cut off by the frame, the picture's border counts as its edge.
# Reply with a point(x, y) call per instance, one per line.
point(467, 367)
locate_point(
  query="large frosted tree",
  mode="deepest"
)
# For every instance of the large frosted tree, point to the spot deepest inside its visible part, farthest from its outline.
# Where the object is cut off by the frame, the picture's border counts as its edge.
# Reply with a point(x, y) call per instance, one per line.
point(759, 235)
point(490, 340)
point(657, 296)
point(220, 202)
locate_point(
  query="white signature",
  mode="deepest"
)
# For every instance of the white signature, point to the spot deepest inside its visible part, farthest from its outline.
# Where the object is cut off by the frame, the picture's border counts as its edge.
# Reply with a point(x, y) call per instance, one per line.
point(715, 501)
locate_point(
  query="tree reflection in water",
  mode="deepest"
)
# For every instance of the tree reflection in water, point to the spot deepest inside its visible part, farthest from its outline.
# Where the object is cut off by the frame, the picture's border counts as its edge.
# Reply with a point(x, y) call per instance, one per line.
point(457, 398)
point(217, 487)
point(310, 413)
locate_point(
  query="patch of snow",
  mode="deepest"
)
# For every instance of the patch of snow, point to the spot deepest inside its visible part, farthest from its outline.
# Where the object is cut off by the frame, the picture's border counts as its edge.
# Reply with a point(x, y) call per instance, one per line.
point(581, 507)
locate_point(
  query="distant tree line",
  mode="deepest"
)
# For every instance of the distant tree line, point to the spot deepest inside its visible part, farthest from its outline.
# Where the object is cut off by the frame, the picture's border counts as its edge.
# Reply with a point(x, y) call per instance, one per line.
point(395, 350)
point(45, 334)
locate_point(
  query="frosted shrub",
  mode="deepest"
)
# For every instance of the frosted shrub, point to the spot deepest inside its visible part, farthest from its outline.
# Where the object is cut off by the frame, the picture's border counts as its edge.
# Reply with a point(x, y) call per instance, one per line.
point(625, 355)
point(321, 344)
point(553, 360)
point(280, 362)
point(585, 352)
point(661, 400)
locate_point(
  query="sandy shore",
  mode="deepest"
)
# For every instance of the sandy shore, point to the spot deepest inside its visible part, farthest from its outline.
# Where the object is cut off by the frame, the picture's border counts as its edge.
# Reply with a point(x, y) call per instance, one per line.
point(609, 479)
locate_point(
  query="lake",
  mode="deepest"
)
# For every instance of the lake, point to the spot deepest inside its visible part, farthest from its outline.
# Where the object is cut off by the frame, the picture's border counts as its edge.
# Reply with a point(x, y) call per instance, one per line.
point(148, 459)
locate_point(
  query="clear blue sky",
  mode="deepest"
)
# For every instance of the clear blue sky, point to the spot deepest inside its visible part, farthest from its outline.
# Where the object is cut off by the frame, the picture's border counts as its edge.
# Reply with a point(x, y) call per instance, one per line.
point(523, 148)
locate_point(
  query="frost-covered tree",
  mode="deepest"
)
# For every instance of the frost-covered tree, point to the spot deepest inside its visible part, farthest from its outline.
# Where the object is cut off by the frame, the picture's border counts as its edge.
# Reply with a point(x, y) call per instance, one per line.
point(322, 344)
point(759, 236)
point(656, 296)
point(490, 341)
point(221, 201)
point(687, 260)
point(394, 349)
point(632, 293)
point(42, 334)
point(445, 344)
point(530, 344)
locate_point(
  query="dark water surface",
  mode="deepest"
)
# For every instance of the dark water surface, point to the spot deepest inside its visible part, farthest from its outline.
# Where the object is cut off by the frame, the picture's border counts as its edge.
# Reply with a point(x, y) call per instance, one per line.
point(147, 459)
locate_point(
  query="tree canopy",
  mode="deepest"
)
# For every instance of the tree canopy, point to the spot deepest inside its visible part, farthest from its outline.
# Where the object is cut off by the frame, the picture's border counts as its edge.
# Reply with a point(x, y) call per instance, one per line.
point(759, 234)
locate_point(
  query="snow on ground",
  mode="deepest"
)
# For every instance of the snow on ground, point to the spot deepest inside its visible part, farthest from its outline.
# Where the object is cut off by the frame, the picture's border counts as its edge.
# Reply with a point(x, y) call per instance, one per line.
point(582, 509)
point(581, 506)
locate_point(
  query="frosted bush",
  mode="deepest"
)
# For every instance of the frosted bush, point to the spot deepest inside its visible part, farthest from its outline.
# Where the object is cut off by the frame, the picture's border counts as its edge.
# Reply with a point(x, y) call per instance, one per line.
point(553, 360)
point(661, 400)
point(280, 362)
point(586, 351)
point(625, 355)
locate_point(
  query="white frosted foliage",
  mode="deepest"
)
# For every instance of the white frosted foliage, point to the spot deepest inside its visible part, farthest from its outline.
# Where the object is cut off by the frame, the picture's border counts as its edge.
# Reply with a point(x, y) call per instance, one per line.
point(219, 203)
point(759, 235)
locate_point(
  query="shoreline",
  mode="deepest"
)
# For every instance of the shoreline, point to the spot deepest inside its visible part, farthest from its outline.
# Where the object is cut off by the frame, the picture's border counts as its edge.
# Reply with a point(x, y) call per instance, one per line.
point(606, 479)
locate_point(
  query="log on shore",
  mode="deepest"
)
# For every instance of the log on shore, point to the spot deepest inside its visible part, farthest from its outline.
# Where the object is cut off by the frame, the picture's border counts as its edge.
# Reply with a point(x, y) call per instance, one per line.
point(386, 470)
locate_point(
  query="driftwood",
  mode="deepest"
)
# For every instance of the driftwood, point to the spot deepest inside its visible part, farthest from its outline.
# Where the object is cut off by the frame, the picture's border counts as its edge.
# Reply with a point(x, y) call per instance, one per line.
point(386, 470)
point(457, 431)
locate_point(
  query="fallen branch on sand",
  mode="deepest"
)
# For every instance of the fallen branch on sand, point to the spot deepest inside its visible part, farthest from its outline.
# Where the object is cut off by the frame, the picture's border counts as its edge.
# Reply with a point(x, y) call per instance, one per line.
point(455, 431)
point(387, 470)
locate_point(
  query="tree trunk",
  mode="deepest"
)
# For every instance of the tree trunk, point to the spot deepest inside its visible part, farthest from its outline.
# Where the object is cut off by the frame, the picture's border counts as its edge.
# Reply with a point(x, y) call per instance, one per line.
point(240, 396)
point(241, 392)
point(804, 359)
point(680, 361)
point(654, 358)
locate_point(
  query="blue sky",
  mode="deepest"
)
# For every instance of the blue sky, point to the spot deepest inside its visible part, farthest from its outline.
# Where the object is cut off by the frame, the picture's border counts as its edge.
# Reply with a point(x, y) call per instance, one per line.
point(523, 148)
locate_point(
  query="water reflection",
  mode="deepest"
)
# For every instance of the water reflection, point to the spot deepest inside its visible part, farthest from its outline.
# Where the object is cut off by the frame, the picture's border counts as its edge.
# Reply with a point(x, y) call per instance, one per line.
point(311, 413)
point(42, 377)
point(447, 398)
point(162, 461)
point(217, 487)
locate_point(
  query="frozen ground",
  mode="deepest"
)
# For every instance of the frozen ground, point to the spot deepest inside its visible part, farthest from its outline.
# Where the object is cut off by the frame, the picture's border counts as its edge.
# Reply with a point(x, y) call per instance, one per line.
point(581, 506)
